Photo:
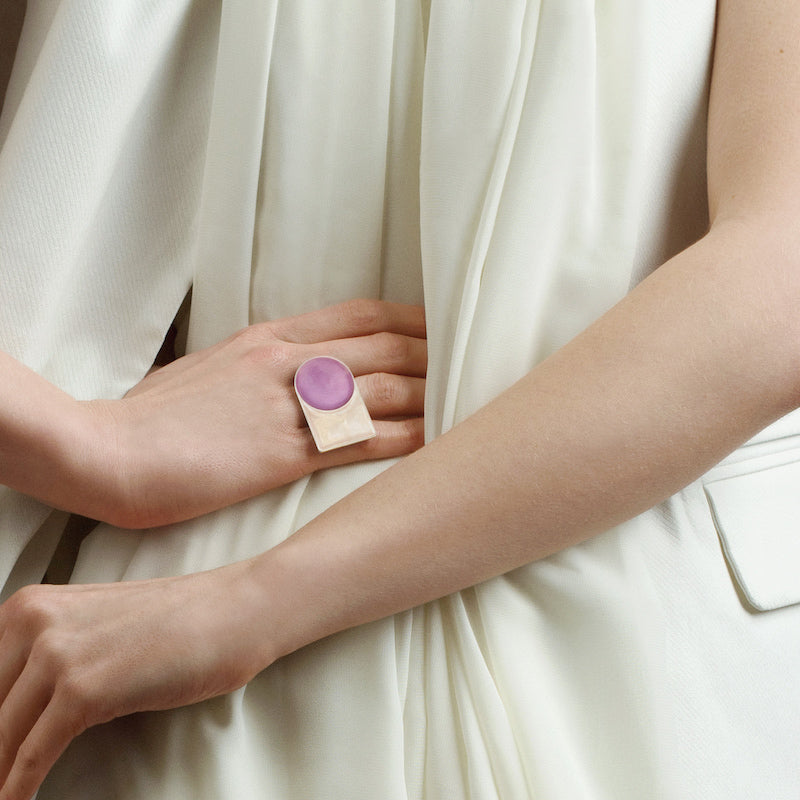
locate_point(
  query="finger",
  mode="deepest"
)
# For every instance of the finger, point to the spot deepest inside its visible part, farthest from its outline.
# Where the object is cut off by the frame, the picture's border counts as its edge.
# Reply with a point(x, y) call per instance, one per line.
point(18, 715)
point(46, 741)
point(395, 438)
point(388, 395)
point(354, 318)
point(11, 666)
point(379, 352)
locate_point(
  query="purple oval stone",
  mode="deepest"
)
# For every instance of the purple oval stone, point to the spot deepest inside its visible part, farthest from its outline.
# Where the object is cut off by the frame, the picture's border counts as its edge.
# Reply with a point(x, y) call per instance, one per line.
point(324, 383)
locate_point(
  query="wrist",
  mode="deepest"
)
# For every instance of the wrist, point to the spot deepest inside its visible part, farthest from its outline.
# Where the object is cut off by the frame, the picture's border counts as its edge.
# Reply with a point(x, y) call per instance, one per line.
point(43, 449)
point(288, 614)
point(309, 587)
point(57, 449)
point(95, 461)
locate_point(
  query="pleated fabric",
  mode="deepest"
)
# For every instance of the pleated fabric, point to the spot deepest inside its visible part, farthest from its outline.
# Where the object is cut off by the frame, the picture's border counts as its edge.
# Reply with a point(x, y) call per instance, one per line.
point(516, 165)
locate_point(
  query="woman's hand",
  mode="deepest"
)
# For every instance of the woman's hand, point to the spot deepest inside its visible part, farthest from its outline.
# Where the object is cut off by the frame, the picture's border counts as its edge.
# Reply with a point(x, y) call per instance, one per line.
point(207, 430)
point(223, 424)
point(76, 656)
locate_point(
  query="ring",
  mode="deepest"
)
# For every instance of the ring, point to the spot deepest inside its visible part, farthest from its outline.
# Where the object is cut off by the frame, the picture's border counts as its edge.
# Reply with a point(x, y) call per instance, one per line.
point(331, 403)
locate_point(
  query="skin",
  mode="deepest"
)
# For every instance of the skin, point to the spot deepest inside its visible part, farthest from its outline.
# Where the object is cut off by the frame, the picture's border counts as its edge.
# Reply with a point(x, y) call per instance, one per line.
point(710, 341)
point(133, 464)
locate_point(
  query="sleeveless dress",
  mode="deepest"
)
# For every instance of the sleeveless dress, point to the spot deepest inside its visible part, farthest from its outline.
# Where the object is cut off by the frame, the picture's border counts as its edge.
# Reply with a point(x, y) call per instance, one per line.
point(517, 165)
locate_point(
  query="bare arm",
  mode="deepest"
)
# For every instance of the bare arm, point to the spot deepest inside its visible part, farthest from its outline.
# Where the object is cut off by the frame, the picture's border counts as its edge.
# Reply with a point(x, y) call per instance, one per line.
point(696, 360)
point(182, 443)
point(692, 363)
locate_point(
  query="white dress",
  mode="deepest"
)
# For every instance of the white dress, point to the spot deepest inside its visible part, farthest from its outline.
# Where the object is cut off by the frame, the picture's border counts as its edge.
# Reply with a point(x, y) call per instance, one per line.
point(517, 165)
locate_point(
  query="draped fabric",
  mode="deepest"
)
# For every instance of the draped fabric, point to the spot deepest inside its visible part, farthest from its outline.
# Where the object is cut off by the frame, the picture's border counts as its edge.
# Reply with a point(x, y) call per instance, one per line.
point(516, 165)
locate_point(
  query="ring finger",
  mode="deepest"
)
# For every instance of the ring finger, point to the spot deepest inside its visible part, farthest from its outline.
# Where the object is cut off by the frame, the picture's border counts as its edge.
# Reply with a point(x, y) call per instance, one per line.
point(388, 396)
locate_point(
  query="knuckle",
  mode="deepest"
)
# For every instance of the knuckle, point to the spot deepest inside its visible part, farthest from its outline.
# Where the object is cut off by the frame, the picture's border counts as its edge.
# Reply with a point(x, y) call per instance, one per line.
point(29, 760)
point(384, 390)
point(271, 354)
point(364, 313)
point(412, 434)
point(253, 335)
point(394, 348)
point(31, 608)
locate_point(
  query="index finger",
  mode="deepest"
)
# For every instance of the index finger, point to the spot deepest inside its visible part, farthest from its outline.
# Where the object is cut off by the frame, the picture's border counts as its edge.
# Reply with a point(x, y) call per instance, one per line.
point(351, 319)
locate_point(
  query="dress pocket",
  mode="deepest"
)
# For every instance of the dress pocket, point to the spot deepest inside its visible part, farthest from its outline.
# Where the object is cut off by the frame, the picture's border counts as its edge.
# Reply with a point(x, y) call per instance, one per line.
point(755, 504)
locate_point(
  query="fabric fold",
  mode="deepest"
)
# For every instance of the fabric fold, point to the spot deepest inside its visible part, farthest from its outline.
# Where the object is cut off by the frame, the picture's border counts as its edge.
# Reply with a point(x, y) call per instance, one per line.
point(528, 161)
point(224, 247)
point(491, 203)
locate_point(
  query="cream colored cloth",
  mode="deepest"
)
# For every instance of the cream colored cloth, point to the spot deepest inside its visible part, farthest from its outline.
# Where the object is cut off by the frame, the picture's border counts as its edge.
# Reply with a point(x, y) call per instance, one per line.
point(516, 164)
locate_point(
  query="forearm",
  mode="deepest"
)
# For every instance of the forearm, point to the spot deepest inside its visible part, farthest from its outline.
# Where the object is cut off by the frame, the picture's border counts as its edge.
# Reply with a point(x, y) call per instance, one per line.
point(696, 360)
point(193, 436)
point(692, 363)
point(47, 444)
